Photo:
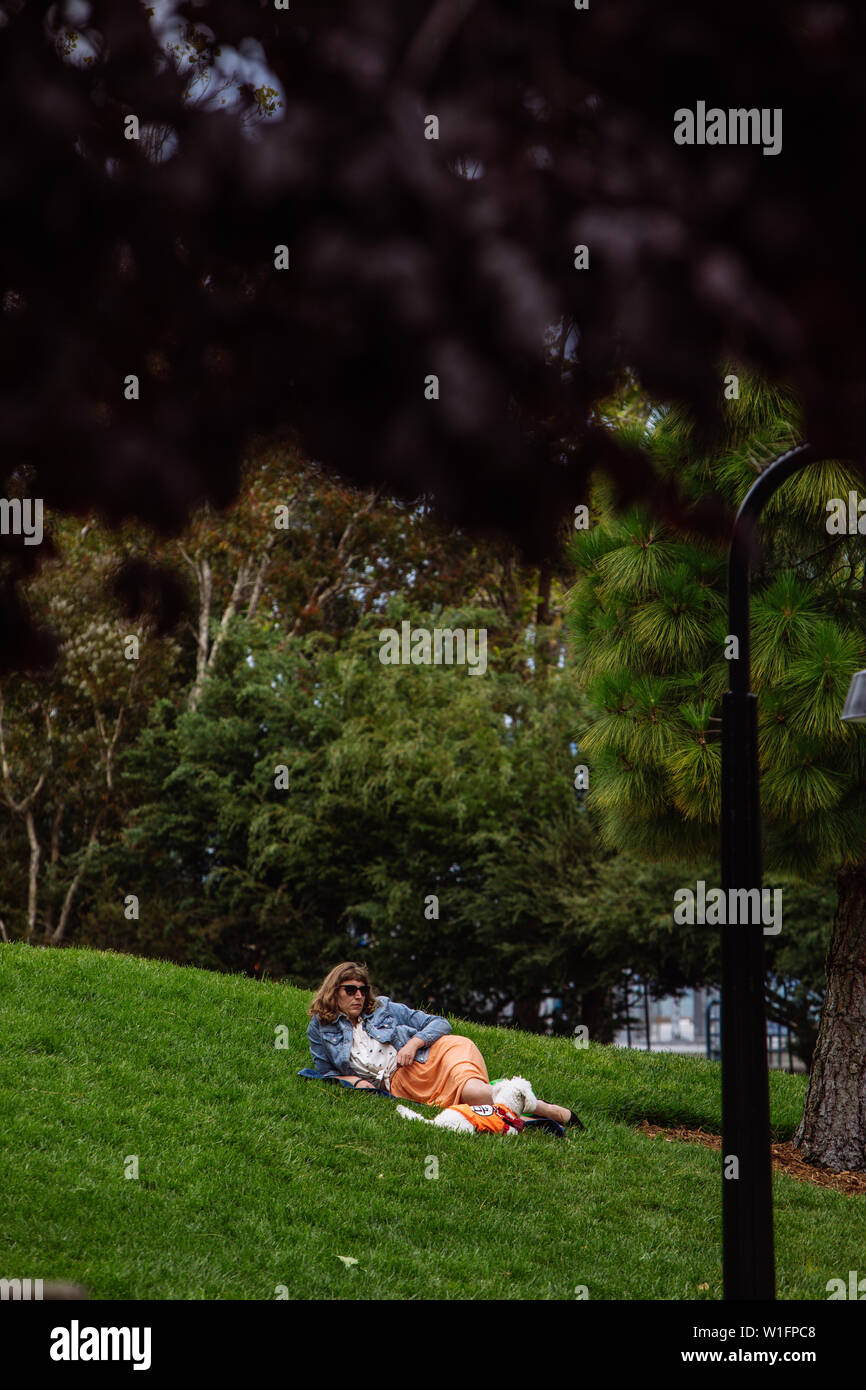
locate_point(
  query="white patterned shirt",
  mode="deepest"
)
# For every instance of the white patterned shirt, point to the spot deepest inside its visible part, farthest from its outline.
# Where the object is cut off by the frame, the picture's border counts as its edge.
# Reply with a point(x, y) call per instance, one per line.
point(373, 1061)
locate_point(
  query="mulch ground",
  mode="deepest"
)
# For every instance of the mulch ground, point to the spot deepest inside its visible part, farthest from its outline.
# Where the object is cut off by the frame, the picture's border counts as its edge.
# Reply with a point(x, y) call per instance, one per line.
point(786, 1159)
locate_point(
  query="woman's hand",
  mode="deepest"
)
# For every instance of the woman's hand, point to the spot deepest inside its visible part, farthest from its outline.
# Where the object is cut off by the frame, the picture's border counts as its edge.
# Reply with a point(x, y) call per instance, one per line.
point(406, 1055)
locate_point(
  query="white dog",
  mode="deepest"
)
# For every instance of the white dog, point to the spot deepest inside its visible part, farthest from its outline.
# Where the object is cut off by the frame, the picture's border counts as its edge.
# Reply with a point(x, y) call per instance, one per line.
point(512, 1098)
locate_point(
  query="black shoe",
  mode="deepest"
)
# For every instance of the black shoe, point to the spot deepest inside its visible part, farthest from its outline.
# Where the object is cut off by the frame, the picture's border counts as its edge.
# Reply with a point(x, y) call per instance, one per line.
point(574, 1119)
point(542, 1122)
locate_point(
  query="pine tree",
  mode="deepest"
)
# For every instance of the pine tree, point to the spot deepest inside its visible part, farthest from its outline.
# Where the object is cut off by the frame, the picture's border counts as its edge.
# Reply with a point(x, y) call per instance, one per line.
point(649, 616)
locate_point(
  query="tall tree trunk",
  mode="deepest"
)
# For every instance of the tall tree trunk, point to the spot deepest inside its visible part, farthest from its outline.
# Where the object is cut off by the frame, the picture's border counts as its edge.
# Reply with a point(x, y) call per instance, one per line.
point(52, 864)
point(33, 876)
point(526, 1013)
point(542, 606)
point(24, 808)
point(833, 1128)
point(204, 577)
point(546, 617)
point(595, 1013)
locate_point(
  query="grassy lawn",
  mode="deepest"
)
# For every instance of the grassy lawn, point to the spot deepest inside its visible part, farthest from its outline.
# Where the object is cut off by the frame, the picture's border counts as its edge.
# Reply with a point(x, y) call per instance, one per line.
point(250, 1177)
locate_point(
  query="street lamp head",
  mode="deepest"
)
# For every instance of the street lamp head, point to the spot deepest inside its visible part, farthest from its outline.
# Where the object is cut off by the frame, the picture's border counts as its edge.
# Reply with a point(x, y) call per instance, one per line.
point(855, 705)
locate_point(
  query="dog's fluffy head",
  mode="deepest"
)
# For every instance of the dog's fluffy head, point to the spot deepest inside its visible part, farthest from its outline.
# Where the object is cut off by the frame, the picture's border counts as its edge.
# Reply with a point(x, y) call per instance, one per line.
point(517, 1093)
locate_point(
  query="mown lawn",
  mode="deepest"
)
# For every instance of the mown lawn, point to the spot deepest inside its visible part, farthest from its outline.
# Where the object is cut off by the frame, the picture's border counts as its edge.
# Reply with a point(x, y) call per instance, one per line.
point(252, 1179)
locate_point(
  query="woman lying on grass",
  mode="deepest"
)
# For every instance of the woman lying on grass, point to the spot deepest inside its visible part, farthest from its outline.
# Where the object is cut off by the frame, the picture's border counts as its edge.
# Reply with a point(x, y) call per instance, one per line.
point(375, 1042)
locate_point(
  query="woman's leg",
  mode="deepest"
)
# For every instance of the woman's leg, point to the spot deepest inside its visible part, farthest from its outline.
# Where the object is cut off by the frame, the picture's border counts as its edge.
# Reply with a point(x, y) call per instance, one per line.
point(360, 1085)
point(551, 1112)
point(477, 1092)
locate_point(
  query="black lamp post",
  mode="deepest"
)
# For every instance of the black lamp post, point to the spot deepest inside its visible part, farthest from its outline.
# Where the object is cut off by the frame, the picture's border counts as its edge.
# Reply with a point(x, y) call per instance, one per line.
point(747, 1192)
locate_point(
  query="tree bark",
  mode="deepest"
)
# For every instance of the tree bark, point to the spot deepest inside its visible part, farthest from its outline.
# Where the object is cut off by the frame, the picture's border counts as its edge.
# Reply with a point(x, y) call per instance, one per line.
point(833, 1128)
point(526, 1013)
point(596, 1015)
point(205, 656)
point(206, 651)
point(33, 875)
point(52, 862)
point(58, 934)
point(264, 560)
point(546, 617)
point(204, 582)
point(542, 606)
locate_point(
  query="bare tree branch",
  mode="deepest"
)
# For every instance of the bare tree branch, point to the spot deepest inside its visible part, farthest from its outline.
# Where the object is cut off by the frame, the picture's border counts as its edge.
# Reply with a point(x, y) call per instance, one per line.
point(22, 806)
point(33, 874)
point(328, 588)
point(205, 590)
point(260, 577)
point(60, 931)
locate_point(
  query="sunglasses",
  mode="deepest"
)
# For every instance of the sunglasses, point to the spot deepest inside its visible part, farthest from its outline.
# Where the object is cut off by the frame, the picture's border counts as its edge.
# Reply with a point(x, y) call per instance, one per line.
point(355, 989)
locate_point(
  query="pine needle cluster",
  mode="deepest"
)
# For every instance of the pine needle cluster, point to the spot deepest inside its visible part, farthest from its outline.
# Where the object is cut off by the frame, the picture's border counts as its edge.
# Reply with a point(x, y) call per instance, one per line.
point(648, 615)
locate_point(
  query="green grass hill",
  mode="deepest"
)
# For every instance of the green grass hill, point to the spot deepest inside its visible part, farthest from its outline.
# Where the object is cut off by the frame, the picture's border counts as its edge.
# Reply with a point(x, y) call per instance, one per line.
point(254, 1183)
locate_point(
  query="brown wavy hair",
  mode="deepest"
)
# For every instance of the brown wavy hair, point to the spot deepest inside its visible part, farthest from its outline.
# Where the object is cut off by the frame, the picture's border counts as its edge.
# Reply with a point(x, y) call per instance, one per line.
point(325, 1003)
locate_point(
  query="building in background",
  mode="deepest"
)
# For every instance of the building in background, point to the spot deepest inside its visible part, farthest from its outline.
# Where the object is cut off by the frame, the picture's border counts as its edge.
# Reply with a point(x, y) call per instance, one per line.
point(690, 1025)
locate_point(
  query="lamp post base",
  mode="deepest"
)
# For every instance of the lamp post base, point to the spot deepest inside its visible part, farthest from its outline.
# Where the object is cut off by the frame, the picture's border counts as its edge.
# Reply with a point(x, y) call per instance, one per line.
point(747, 1192)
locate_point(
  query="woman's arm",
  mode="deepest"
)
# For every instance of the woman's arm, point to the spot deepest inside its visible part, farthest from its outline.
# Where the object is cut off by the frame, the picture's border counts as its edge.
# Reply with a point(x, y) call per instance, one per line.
point(427, 1027)
point(324, 1062)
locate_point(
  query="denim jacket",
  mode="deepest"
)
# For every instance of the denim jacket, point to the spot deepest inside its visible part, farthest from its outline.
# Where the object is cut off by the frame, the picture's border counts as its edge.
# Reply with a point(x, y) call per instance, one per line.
point(331, 1043)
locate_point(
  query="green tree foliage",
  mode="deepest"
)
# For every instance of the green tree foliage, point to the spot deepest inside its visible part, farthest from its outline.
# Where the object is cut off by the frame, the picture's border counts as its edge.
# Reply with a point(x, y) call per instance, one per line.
point(430, 825)
point(405, 784)
point(648, 616)
point(62, 731)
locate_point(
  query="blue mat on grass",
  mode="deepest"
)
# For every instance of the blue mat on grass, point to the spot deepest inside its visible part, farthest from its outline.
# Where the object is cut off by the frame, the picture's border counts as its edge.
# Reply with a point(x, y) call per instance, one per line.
point(313, 1075)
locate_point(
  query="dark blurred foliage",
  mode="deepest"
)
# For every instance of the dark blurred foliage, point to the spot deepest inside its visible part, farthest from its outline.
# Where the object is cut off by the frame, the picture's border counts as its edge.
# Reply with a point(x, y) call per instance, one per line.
point(117, 262)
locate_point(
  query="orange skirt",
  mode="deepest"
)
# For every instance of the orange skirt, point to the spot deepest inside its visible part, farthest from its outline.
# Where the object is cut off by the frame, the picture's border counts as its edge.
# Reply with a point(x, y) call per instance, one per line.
point(451, 1062)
